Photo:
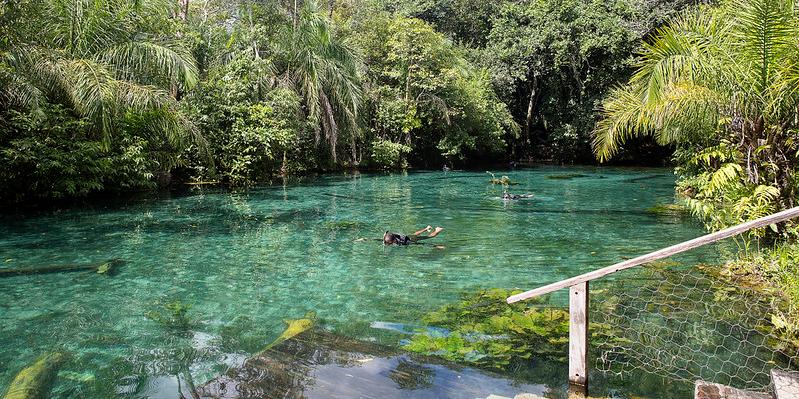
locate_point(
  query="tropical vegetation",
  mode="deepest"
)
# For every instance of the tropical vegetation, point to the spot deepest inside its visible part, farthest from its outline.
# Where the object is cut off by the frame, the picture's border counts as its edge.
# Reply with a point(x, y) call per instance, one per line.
point(720, 82)
point(114, 96)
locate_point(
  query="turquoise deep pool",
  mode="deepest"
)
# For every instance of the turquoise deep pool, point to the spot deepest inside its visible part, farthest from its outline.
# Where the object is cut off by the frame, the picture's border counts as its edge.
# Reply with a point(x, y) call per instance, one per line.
point(245, 262)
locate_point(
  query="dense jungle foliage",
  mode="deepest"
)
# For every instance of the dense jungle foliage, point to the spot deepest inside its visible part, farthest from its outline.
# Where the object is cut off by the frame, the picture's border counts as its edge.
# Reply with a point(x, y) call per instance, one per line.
point(121, 95)
point(721, 83)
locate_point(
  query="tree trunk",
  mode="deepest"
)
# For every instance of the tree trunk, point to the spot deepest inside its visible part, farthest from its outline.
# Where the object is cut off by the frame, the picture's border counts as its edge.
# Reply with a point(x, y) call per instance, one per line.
point(329, 124)
point(184, 14)
point(531, 111)
point(100, 268)
point(407, 102)
point(355, 161)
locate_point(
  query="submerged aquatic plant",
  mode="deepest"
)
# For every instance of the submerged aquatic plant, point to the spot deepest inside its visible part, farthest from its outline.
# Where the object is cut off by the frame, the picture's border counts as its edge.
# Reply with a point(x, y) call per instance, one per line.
point(338, 225)
point(566, 176)
point(486, 331)
point(173, 316)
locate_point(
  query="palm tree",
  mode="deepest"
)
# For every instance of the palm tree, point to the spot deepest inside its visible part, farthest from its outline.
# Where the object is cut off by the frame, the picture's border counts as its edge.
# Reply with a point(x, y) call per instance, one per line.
point(324, 70)
point(729, 73)
point(94, 58)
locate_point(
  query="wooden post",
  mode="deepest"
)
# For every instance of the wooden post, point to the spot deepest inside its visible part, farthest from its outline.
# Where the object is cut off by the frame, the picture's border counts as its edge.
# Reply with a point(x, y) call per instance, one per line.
point(578, 338)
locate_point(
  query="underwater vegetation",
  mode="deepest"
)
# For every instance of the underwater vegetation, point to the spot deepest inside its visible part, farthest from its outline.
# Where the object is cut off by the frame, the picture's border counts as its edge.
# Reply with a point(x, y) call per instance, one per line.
point(173, 315)
point(566, 176)
point(36, 380)
point(668, 210)
point(485, 331)
point(338, 225)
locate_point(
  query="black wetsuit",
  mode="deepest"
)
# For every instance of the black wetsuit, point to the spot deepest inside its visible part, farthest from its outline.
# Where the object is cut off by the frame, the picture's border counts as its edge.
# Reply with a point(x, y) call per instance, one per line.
point(507, 196)
point(397, 239)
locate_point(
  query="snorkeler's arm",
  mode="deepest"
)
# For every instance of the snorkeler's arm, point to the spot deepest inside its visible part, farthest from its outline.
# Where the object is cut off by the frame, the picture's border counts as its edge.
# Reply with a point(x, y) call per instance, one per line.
point(426, 229)
point(431, 235)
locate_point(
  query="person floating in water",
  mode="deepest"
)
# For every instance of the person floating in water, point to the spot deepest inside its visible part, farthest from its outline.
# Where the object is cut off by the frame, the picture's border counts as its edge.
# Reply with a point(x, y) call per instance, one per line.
point(390, 238)
point(508, 196)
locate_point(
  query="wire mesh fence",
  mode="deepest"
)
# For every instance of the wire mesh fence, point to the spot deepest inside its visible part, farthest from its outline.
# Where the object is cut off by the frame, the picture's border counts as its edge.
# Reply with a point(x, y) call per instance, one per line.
point(685, 324)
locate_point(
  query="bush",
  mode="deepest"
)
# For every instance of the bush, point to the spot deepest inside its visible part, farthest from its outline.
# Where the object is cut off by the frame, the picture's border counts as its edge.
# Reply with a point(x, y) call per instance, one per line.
point(50, 154)
point(253, 130)
point(775, 274)
point(387, 154)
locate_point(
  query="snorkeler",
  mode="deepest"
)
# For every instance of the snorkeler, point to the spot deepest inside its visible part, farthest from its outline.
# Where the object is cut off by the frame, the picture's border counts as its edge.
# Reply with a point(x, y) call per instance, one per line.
point(508, 197)
point(390, 238)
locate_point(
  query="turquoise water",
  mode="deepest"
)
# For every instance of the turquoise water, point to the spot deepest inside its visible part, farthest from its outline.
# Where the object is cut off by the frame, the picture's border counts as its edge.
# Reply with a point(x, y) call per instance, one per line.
point(247, 261)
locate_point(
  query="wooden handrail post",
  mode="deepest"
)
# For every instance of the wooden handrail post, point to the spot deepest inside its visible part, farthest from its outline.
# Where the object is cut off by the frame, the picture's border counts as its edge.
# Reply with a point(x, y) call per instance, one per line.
point(578, 338)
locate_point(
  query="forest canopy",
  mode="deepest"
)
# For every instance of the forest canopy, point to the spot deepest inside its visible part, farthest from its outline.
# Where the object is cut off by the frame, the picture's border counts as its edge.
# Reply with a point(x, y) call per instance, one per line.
point(119, 95)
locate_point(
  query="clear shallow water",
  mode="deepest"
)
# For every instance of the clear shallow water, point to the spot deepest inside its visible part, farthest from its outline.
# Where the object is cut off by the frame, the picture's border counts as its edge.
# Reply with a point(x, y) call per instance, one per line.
point(247, 261)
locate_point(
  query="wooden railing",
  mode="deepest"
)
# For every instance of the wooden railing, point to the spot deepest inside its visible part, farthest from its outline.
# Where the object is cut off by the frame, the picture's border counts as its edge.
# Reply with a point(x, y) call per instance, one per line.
point(579, 292)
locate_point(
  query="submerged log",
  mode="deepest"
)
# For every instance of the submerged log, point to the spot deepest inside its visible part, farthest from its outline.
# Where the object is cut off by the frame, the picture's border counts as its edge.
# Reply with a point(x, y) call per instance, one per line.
point(106, 267)
point(36, 380)
point(319, 364)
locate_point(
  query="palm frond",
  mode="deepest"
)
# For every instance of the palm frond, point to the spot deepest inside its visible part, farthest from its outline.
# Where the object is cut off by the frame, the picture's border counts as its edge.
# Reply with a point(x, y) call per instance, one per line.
point(140, 60)
point(765, 30)
point(623, 116)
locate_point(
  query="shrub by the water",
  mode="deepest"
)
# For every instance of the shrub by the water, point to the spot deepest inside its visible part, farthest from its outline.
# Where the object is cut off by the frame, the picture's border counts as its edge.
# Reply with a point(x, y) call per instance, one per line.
point(773, 273)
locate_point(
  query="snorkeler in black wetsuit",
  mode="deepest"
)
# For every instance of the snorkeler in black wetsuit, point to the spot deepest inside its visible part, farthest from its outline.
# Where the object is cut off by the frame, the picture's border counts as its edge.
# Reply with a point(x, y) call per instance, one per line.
point(390, 238)
point(507, 196)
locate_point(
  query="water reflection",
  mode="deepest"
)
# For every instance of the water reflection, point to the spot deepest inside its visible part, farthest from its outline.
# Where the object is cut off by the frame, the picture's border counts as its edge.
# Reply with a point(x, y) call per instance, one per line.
point(318, 364)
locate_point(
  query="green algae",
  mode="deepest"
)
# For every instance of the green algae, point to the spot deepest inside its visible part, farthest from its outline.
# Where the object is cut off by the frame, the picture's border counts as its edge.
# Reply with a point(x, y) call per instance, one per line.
point(36, 380)
point(482, 329)
point(173, 315)
point(339, 225)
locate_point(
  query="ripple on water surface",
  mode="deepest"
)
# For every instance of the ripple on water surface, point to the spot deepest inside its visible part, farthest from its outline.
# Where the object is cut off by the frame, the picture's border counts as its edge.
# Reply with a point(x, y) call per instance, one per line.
point(247, 261)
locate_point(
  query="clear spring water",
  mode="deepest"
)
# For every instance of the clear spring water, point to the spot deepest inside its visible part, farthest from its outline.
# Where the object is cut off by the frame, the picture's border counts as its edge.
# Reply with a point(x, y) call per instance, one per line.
point(247, 261)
